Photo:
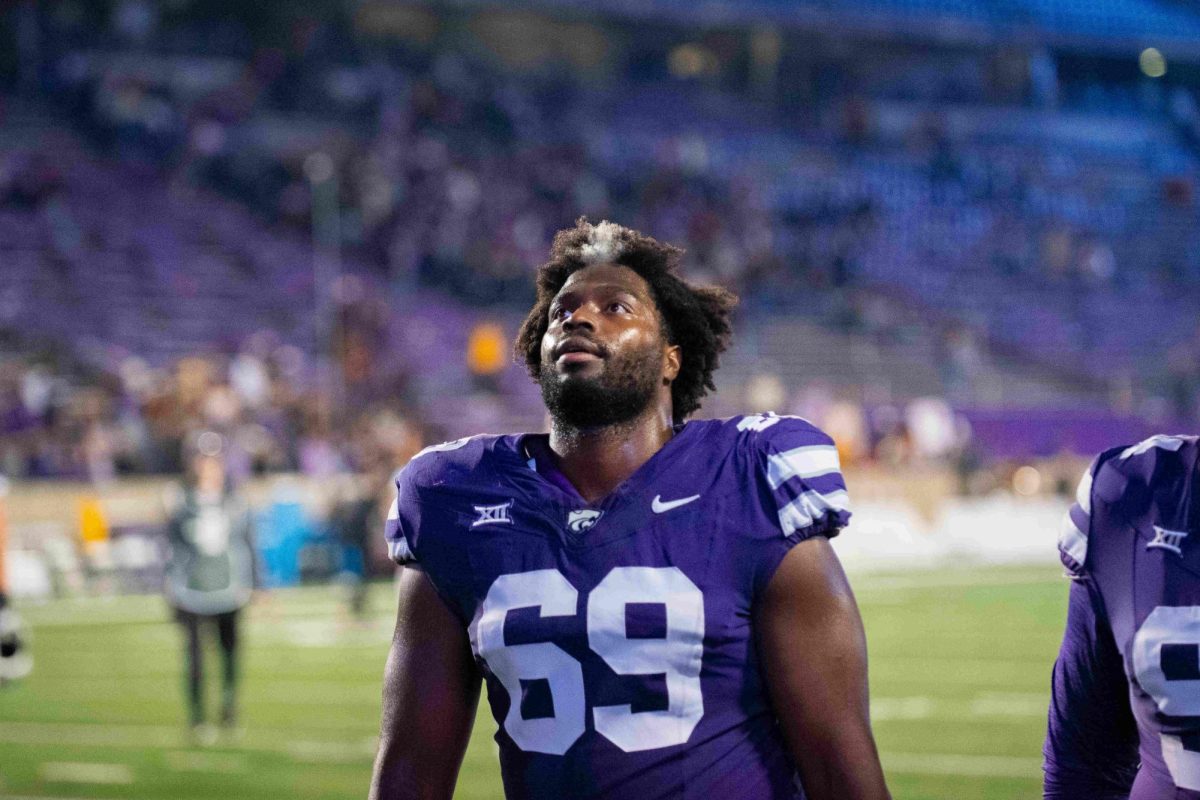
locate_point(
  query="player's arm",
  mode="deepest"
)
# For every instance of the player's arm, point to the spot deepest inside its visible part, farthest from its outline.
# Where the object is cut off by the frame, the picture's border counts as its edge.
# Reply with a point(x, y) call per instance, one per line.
point(1091, 739)
point(430, 693)
point(814, 655)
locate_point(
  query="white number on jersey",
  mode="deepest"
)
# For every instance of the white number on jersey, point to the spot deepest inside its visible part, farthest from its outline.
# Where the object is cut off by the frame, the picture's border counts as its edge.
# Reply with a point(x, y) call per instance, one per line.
point(549, 591)
point(1165, 660)
point(678, 655)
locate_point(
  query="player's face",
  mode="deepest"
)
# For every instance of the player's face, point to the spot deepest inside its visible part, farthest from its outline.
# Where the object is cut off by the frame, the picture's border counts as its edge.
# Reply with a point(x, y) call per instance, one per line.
point(604, 355)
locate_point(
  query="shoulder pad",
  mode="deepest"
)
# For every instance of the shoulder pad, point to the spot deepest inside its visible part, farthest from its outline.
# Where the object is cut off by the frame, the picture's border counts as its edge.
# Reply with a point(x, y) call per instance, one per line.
point(799, 470)
point(780, 432)
point(1146, 460)
point(438, 465)
point(446, 462)
point(1158, 470)
point(1123, 483)
point(1077, 522)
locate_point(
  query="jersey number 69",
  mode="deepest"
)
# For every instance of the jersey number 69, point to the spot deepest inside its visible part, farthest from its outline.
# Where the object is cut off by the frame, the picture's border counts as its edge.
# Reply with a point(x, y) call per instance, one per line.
point(678, 655)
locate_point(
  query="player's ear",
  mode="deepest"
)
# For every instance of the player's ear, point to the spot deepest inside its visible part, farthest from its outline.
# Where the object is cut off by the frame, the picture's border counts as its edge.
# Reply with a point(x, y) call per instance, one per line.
point(672, 362)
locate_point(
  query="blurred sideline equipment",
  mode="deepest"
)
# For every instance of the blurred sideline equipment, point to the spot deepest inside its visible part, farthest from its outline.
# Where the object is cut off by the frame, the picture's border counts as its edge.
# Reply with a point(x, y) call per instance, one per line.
point(1126, 686)
point(16, 661)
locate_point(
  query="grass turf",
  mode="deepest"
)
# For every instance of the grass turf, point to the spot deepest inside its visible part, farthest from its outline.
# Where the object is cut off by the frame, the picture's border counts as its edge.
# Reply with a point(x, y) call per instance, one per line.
point(960, 664)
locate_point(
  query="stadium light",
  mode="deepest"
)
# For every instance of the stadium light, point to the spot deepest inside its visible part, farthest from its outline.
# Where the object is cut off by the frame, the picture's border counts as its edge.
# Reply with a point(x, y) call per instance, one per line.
point(1027, 481)
point(1152, 63)
point(691, 61)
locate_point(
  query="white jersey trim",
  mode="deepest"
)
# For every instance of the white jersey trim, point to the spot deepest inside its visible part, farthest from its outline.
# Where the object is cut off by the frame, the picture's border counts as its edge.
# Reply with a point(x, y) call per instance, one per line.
point(400, 552)
point(1071, 540)
point(808, 507)
point(808, 462)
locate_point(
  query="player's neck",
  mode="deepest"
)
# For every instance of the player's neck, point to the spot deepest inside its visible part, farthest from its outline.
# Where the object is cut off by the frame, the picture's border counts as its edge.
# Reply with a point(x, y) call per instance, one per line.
point(598, 460)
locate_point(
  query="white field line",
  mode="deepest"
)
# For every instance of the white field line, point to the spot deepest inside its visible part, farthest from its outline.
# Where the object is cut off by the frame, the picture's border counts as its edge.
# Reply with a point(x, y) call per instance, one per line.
point(323, 633)
point(192, 761)
point(972, 669)
point(41, 797)
point(88, 735)
point(962, 766)
point(331, 752)
point(162, 737)
point(994, 706)
point(341, 752)
point(86, 611)
point(81, 772)
point(60, 614)
point(1010, 704)
point(363, 693)
point(867, 582)
point(57, 617)
point(892, 708)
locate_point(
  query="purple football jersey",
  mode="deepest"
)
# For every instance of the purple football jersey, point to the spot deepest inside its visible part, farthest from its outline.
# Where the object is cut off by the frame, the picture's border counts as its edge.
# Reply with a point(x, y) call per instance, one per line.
point(616, 639)
point(1127, 679)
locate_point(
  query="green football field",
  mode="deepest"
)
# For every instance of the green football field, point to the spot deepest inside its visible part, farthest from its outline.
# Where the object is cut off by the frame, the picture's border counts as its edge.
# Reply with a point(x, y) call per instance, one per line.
point(960, 664)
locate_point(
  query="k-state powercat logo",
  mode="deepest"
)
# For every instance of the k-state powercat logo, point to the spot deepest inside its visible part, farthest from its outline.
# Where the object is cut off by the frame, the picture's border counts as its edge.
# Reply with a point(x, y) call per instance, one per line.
point(580, 521)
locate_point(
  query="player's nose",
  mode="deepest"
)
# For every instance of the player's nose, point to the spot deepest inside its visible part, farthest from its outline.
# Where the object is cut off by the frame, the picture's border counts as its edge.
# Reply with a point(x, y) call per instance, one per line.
point(580, 318)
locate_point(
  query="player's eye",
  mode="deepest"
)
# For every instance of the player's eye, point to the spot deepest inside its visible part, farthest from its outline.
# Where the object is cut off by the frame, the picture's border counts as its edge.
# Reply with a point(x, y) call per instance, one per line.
point(558, 313)
point(617, 307)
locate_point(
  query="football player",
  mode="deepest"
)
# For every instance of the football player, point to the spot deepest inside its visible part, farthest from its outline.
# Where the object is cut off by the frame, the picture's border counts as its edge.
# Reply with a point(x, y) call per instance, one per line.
point(1125, 711)
point(653, 603)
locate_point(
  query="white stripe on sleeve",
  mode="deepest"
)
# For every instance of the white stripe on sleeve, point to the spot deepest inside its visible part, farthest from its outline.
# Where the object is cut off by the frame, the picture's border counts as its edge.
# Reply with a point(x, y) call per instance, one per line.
point(809, 506)
point(802, 462)
point(1071, 540)
point(399, 551)
point(1083, 495)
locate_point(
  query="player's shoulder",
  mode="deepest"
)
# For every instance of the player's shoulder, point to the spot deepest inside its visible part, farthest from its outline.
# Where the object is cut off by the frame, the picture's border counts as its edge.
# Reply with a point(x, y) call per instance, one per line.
point(1130, 480)
point(452, 464)
point(1122, 486)
point(769, 432)
point(428, 484)
point(796, 468)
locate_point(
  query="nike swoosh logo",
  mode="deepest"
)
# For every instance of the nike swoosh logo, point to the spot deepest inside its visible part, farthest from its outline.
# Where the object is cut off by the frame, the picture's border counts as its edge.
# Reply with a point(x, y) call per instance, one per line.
point(659, 507)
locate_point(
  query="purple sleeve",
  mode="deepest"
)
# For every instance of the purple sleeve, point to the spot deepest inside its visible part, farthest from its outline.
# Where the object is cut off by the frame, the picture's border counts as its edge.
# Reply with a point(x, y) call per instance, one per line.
point(804, 493)
point(800, 470)
point(397, 530)
point(1091, 740)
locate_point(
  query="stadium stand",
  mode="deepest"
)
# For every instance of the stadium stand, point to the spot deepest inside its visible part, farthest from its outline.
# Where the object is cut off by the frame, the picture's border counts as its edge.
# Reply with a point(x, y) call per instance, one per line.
point(979, 251)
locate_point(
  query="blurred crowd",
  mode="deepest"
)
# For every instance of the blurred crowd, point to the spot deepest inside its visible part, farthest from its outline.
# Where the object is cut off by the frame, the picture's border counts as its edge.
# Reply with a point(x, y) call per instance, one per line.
point(859, 195)
point(61, 418)
point(447, 169)
point(452, 170)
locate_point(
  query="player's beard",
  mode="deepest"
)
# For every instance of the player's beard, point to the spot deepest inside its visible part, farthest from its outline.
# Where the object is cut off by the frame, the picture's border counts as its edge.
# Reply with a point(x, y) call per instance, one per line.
point(620, 393)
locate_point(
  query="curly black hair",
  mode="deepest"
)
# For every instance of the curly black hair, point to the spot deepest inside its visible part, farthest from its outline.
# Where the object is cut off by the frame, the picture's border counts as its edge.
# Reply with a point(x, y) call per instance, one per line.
point(695, 318)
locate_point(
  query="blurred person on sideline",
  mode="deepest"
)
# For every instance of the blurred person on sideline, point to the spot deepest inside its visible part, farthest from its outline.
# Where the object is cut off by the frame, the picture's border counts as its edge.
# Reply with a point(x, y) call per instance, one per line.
point(1124, 720)
point(353, 520)
point(211, 574)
